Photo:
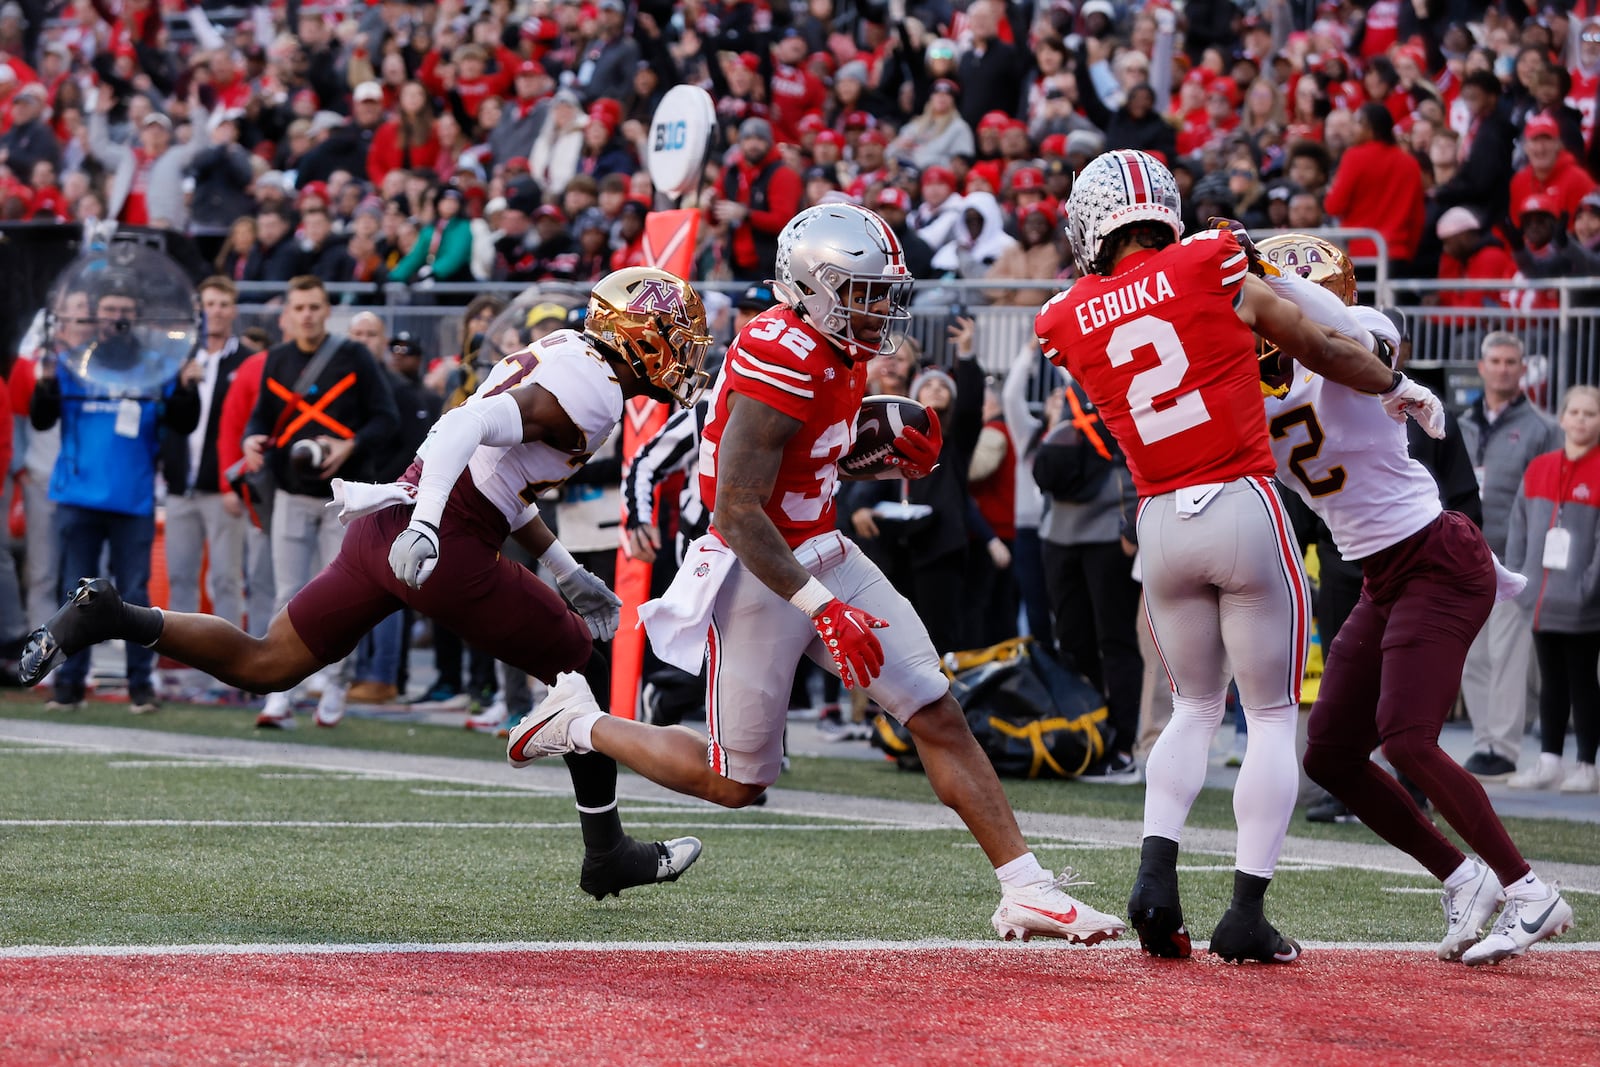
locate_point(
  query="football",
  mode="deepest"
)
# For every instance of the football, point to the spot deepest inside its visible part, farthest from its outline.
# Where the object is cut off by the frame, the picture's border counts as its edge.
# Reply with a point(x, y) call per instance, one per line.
point(879, 425)
point(307, 457)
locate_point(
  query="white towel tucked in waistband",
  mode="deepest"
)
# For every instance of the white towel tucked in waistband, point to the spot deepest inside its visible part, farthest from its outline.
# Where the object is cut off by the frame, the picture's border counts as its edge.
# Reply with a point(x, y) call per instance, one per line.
point(1507, 583)
point(355, 499)
point(678, 620)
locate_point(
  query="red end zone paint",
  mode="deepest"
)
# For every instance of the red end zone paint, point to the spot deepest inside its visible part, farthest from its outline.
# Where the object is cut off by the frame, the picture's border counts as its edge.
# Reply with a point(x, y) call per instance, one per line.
point(957, 1006)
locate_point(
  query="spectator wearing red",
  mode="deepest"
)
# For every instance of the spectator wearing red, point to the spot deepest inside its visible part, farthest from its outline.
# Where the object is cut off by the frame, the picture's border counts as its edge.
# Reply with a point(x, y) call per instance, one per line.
point(793, 90)
point(990, 127)
point(468, 75)
point(1378, 186)
point(870, 167)
point(408, 141)
point(757, 196)
point(1308, 107)
point(1550, 171)
point(605, 151)
point(1222, 107)
point(521, 115)
point(630, 235)
point(737, 88)
point(1471, 253)
point(1344, 92)
point(1380, 28)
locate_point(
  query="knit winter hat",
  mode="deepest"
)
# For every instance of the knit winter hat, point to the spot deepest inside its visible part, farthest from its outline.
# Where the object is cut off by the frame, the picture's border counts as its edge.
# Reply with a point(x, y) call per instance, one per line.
point(933, 374)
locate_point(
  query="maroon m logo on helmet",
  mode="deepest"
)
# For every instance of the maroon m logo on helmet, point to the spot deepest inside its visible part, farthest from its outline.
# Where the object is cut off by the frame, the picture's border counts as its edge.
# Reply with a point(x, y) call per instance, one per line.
point(656, 296)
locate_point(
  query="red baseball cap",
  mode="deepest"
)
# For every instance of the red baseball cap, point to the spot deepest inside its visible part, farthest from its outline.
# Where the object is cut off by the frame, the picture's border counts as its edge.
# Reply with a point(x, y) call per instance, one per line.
point(943, 175)
point(994, 120)
point(516, 163)
point(549, 211)
point(1027, 178)
point(945, 85)
point(810, 122)
point(529, 66)
point(1541, 126)
point(1054, 145)
point(894, 196)
point(1047, 208)
point(1539, 202)
point(1224, 86)
point(833, 137)
point(877, 137)
point(751, 61)
point(859, 120)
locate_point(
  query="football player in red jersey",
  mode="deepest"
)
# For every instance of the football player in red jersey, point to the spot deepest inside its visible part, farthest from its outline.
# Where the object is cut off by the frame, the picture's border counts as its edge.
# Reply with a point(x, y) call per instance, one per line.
point(1158, 332)
point(432, 542)
point(774, 580)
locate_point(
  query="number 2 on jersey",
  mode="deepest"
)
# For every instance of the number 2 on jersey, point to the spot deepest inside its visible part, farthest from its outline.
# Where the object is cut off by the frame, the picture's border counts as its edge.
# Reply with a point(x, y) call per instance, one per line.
point(1307, 450)
point(1186, 410)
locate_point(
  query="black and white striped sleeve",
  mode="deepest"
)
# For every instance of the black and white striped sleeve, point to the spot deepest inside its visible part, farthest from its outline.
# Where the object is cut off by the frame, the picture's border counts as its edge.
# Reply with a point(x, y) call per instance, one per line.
point(673, 448)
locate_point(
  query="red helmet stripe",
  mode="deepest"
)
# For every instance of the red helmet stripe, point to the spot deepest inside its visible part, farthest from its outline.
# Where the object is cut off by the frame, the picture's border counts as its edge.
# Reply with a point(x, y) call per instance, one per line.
point(1137, 177)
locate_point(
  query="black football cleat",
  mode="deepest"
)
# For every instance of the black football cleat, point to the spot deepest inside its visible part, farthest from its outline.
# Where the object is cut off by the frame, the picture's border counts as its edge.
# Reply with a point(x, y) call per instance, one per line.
point(93, 613)
point(1156, 913)
point(1241, 938)
point(634, 863)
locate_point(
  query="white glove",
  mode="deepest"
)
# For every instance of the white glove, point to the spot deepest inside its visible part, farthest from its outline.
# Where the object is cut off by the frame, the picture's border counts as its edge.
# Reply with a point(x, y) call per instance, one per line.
point(1378, 324)
point(1407, 397)
point(596, 604)
point(415, 552)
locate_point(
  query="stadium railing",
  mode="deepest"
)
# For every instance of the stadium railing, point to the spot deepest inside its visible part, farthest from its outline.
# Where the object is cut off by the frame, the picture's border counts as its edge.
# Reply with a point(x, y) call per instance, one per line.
point(1558, 320)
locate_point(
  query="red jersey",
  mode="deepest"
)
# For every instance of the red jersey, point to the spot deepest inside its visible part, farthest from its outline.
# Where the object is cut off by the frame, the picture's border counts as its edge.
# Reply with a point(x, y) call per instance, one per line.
point(784, 362)
point(1172, 369)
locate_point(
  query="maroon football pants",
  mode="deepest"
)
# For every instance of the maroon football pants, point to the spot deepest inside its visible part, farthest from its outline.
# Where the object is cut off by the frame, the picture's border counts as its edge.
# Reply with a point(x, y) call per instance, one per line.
point(1392, 676)
point(493, 604)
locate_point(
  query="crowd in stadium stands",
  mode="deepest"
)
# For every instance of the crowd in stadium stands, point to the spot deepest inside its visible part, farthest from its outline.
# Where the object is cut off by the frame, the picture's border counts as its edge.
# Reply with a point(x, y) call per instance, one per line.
point(423, 143)
point(456, 141)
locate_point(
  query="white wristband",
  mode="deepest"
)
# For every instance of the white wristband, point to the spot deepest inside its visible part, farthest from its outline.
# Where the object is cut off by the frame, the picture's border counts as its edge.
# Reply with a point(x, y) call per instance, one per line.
point(559, 560)
point(812, 597)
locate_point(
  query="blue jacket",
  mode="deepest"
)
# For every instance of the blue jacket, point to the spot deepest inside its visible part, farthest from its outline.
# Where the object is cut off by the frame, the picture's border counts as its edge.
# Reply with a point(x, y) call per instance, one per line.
point(98, 467)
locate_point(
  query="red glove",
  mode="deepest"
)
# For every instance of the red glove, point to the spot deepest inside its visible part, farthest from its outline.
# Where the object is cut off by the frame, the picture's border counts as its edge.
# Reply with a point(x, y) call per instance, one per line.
point(847, 634)
point(915, 452)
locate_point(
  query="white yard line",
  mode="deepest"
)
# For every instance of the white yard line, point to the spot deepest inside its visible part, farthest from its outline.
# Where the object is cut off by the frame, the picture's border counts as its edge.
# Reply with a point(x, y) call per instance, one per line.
point(24, 952)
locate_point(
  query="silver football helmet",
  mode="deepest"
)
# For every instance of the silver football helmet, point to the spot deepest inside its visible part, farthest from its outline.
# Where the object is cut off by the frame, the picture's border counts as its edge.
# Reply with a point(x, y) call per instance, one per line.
point(1115, 189)
point(836, 261)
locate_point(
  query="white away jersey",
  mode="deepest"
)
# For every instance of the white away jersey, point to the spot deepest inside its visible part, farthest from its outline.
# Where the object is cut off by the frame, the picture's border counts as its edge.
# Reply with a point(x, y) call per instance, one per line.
point(1349, 461)
point(567, 366)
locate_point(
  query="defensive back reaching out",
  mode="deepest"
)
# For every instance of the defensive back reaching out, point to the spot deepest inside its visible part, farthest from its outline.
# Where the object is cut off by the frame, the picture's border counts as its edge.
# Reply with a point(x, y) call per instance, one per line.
point(775, 580)
point(1158, 332)
point(1392, 674)
point(432, 542)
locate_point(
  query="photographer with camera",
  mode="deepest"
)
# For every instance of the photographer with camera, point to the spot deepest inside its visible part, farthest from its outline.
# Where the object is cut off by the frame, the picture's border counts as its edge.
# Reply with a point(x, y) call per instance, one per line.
point(103, 483)
point(324, 409)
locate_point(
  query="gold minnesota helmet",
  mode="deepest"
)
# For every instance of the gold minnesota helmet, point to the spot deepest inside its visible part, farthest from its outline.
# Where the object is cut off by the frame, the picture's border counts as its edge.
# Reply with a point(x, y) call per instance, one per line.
point(656, 321)
point(1315, 260)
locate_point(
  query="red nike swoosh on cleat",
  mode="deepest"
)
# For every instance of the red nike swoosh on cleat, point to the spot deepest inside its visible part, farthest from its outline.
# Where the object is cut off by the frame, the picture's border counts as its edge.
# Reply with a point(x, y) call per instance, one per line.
point(1067, 919)
point(522, 742)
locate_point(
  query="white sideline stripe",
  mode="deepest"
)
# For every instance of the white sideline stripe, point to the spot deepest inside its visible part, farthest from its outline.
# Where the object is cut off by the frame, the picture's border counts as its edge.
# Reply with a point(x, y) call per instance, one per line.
point(336, 824)
point(27, 952)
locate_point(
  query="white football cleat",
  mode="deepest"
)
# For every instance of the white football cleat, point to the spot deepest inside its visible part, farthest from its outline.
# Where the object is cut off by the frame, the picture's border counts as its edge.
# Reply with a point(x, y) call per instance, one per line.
point(547, 731)
point(1467, 911)
point(490, 719)
point(276, 714)
point(1043, 909)
point(330, 706)
point(1522, 923)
